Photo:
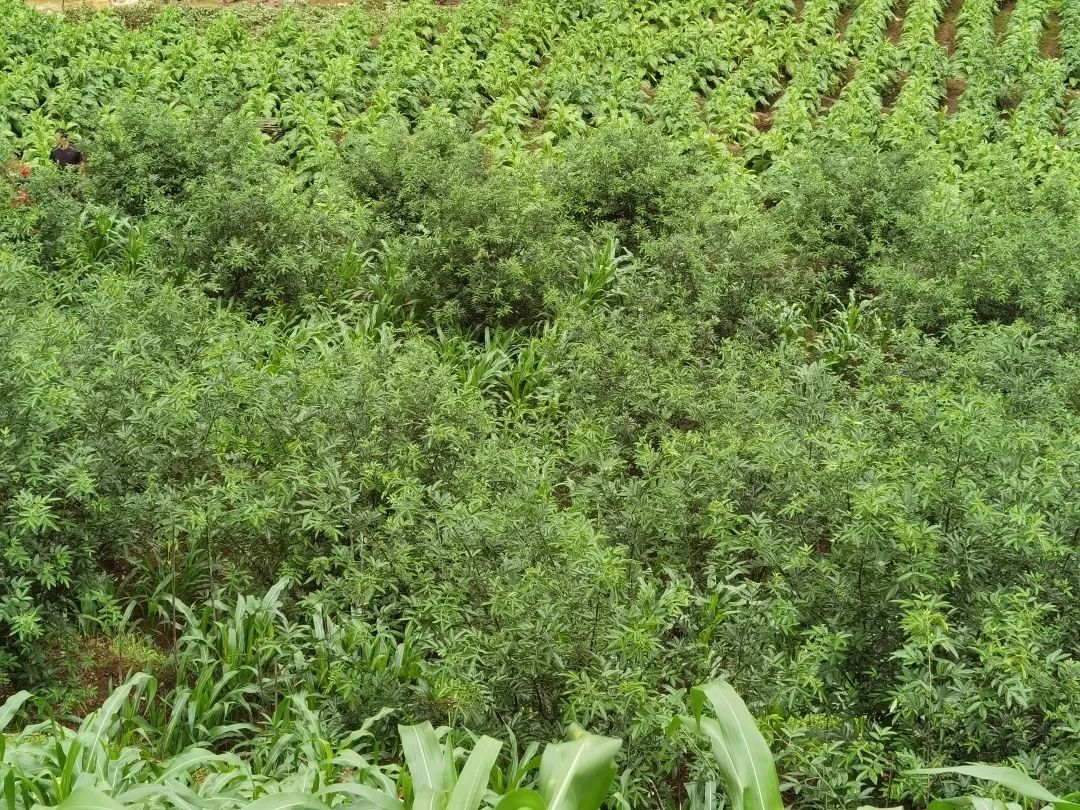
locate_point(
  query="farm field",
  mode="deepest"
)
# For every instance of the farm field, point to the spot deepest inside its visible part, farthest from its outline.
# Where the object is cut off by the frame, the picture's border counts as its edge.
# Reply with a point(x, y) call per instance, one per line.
point(543, 404)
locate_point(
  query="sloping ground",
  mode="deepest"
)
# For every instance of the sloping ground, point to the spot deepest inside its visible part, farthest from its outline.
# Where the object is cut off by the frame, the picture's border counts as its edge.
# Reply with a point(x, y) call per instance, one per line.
point(946, 30)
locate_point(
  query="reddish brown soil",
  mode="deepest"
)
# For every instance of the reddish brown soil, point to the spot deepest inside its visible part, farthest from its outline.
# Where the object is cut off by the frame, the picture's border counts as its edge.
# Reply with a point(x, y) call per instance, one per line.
point(535, 128)
point(1050, 44)
point(763, 115)
point(118, 569)
point(1001, 19)
point(954, 89)
point(842, 22)
point(103, 673)
point(946, 30)
point(846, 76)
point(834, 94)
point(799, 8)
point(1006, 104)
point(888, 98)
point(94, 669)
point(896, 24)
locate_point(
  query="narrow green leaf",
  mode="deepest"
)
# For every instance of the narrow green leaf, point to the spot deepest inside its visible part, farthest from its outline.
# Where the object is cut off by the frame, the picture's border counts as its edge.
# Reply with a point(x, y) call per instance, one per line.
point(9, 790)
point(67, 773)
point(98, 723)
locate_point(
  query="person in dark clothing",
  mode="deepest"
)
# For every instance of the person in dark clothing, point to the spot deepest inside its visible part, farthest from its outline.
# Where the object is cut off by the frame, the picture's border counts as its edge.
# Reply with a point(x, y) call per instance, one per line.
point(64, 154)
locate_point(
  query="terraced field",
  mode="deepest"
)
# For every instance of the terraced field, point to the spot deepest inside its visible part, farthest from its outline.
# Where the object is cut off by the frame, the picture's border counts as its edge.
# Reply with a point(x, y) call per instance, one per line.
point(395, 378)
point(747, 79)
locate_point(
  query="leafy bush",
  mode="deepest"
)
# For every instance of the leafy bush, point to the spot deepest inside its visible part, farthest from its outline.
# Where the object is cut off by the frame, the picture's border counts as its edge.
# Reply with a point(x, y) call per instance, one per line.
point(251, 238)
point(1007, 257)
point(628, 175)
point(840, 208)
point(480, 241)
point(560, 357)
point(148, 155)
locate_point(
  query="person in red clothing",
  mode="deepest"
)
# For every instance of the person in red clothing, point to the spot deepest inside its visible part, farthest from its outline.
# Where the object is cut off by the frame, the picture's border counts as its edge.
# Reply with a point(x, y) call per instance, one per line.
point(17, 171)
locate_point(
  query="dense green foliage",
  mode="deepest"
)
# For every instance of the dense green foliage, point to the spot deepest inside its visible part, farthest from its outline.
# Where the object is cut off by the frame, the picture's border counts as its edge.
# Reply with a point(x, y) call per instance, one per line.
point(557, 357)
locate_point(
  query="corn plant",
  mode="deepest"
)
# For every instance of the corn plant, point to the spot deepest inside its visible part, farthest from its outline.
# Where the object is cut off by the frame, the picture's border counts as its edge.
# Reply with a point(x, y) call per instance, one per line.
point(48, 765)
point(749, 774)
point(560, 354)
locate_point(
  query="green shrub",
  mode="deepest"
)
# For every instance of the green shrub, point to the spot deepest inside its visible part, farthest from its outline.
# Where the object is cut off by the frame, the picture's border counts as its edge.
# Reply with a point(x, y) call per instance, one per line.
point(630, 176)
point(481, 242)
point(148, 155)
point(841, 207)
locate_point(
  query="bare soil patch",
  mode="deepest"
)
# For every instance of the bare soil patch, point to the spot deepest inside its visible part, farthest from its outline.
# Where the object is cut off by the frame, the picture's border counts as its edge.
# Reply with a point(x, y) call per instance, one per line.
point(1001, 19)
point(842, 22)
point(946, 30)
point(954, 89)
point(1007, 103)
point(1050, 44)
point(888, 98)
point(896, 24)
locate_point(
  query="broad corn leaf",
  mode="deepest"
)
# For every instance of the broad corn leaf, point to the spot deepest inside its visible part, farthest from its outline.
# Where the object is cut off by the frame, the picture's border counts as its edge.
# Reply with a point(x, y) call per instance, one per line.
point(194, 758)
point(174, 794)
point(424, 755)
point(287, 801)
point(371, 797)
point(11, 708)
point(426, 799)
point(473, 781)
point(85, 798)
point(1011, 778)
point(741, 752)
point(577, 775)
point(521, 799)
point(974, 802)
